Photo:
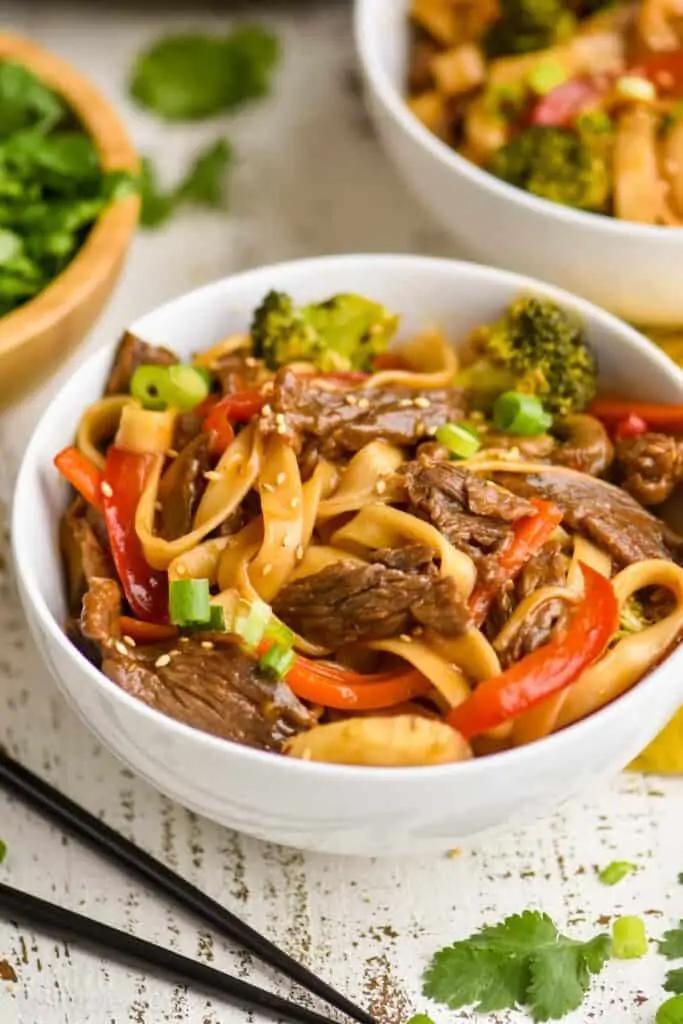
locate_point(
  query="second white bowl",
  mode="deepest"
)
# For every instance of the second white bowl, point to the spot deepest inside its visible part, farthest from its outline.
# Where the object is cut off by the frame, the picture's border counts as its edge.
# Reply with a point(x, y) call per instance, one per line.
point(631, 269)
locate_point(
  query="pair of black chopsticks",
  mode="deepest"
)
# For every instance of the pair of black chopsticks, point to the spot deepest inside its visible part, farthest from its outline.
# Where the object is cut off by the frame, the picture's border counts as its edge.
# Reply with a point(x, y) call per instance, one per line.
point(20, 906)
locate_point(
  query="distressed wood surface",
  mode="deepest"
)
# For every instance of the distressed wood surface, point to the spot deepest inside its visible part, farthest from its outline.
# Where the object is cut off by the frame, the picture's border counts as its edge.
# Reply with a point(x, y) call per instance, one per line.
point(310, 178)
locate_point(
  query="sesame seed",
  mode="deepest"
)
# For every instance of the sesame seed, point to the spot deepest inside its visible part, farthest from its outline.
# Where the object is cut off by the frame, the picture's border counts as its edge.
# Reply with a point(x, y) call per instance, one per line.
point(129, 640)
point(286, 541)
point(121, 648)
point(268, 488)
point(180, 570)
point(174, 653)
point(380, 486)
point(280, 478)
point(421, 403)
point(420, 427)
point(351, 400)
point(279, 417)
point(106, 489)
point(300, 552)
point(406, 403)
point(183, 640)
point(281, 428)
point(363, 403)
point(207, 645)
point(431, 429)
point(250, 361)
point(418, 631)
point(172, 453)
point(294, 503)
point(267, 569)
point(266, 410)
point(163, 660)
point(406, 638)
point(158, 506)
point(211, 474)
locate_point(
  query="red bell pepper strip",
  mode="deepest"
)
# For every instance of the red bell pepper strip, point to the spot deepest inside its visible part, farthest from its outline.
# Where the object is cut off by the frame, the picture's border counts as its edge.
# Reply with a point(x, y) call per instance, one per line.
point(632, 426)
point(146, 589)
point(657, 416)
point(83, 475)
point(665, 70)
point(335, 687)
point(562, 106)
point(238, 407)
point(146, 632)
point(530, 534)
point(548, 669)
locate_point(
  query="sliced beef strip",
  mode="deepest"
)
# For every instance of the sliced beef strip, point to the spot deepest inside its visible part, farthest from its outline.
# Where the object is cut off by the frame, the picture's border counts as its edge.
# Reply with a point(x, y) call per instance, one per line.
point(473, 514)
point(547, 569)
point(606, 514)
point(649, 466)
point(413, 558)
point(188, 426)
point(348, 603)
point(238, 372)
point(131, 353)
point(181, 488)
point(84, 552)
point(343, 422)
point(218, 690)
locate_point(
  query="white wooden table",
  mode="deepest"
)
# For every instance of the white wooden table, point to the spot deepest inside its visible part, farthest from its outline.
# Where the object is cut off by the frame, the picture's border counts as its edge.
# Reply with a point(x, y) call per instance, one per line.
point(310, 179)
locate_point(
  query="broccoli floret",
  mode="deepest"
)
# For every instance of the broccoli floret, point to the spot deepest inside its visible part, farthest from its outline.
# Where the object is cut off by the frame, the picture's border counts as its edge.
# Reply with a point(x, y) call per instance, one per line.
point(571, 168)
point(346, 332)
point(537, 349)
point(527, 25)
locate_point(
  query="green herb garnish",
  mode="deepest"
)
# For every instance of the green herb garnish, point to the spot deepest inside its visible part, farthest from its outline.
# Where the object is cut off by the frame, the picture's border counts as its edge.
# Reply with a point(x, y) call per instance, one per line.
point(189, 77)
point(616, 871)
point(52, 186)
point(203, 184)
point(671, 945)
point(524, 961)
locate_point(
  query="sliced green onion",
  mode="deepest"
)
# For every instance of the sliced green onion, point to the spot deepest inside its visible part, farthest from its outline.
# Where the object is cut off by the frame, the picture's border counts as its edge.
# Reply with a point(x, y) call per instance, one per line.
point(185, 387)
point(278, 660)
point(279, 633)
point(629, 939)
point(594, 121)
point(148, 385)
point(251, 622)
point(519, 414)
point(205, 374)
point(189, 602)
point(216, 623)
point(546, 76)
point(616, 871)
point(461, 441)
point(670, 1012)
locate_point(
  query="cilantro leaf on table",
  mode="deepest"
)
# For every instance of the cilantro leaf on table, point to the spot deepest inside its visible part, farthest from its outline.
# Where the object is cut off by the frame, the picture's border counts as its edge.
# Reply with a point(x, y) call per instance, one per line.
point(671, 945)
point(203, 184)
point(190, 77)
point(674, 981)
point(524, 961)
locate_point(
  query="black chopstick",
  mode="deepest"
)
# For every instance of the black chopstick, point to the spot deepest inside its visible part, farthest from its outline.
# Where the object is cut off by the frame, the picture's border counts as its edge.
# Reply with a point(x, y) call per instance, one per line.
point(19, 906)
point(53, 804)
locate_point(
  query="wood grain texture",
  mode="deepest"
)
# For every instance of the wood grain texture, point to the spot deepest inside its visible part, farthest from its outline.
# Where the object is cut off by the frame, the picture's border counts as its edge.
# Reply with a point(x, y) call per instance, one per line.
point(38, 336)
point(310, 178)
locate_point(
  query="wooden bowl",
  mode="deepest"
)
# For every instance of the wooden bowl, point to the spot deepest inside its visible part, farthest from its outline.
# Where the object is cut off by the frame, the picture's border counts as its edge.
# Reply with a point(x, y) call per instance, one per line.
point(38, 336)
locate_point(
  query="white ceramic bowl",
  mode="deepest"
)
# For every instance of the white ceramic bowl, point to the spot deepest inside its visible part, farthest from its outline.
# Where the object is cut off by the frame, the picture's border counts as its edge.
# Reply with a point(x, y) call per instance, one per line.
point(312, 806)
point(632, 270)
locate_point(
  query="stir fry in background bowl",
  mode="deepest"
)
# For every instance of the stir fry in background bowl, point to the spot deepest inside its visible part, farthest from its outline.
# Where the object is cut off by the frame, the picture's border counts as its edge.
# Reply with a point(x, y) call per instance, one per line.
point(306, 542)
point(580, 103)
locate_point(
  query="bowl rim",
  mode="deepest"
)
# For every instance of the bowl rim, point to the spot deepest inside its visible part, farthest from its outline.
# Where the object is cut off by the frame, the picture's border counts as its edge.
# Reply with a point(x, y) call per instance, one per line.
point(396, 106)
point(111, 232)
point(551, 746)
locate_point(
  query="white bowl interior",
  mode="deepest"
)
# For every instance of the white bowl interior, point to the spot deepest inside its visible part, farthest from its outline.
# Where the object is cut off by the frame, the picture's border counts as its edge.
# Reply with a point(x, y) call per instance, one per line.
point(455, 296)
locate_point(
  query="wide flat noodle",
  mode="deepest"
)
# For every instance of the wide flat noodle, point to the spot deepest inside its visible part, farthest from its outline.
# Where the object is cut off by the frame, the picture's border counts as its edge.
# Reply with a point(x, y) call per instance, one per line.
point(99, 424)
point(449, 680)
point(588, 553)
point(393, 741)
point(315, 491)
point(282, 509)
point(364, 479)
point(434, 360)
point(319, 556)
point(238, 469)
point(201, 562)
point(381, 526)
